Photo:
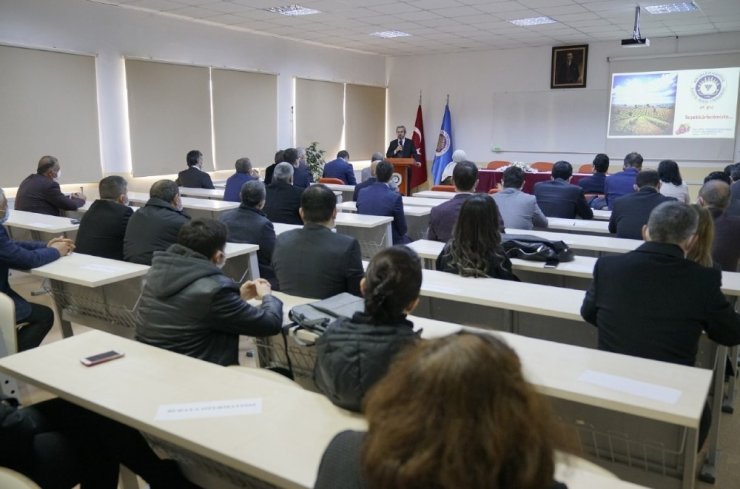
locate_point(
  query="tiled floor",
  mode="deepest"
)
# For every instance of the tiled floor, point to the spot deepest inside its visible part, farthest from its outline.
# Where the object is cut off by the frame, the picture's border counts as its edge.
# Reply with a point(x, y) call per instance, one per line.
point(728, 471)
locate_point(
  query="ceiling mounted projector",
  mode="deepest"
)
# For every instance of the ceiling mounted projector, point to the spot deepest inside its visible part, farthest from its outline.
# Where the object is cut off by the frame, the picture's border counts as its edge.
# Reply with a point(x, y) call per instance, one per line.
point(636, 41)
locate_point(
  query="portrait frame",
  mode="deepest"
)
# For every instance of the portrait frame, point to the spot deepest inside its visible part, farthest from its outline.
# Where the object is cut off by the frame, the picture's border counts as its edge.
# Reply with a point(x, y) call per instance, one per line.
point(565, 73)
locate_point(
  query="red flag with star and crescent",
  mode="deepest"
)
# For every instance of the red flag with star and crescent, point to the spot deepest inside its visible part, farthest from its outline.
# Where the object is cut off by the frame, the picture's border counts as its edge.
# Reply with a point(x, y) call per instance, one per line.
point(419, 173)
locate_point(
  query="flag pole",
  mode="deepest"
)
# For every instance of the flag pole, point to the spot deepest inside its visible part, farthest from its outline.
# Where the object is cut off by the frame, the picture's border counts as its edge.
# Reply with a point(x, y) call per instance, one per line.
point(448, 99)
point(419, 97)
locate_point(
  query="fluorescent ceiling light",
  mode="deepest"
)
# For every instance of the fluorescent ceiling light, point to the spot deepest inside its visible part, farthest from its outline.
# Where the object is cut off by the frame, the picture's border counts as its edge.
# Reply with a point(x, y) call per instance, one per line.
point(390, 34)
point(533, 21)
point(671, 8)
point(293, 10)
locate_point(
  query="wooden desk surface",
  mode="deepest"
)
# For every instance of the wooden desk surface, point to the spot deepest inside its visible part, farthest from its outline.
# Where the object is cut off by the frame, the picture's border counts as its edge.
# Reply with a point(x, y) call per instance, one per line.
point(435, 194)
point(361, 220)
point(89, 271)
point(340, 188)
point(409, 210)
point(190, 202)
point(281, 227)
point(282, 445)
point(584, 241)
point(89, 202)
point(207, 193)
point(40, 222)
point(602, 215)
point(238, 249)
point(578, 225)
point(422, 202)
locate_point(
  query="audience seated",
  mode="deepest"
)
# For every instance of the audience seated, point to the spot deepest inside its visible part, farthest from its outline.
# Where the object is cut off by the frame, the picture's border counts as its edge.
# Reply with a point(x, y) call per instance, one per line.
point(301, 174)
point(314, 261)
point(194, 177)
point(283, 198)
point(475, 247)
point(242, 175)
point(457, 156)
point(671, 183)
point(454, 412)
point(40, 192)
point(59, 445)
point(354, 353)
point(735, 187)
point(368, 171)
point(595, 183)
point(630, 212)
point(518, 209)
point(715, 196)
point(700, 250)
point(718, 175)
point(366, 182)
point(35, 320)
point(379, 199)
point(623, 182)
point(558, 198)
point(154, 227)
point(270, 169)
point(190, 307)
point(248, 224)
point(443, 216)
point(103, 226)
point(341, 168)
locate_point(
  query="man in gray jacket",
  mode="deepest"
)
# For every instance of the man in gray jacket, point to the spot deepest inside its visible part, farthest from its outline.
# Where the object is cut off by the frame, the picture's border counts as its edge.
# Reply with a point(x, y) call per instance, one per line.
point(189, 306)
point(519, 210)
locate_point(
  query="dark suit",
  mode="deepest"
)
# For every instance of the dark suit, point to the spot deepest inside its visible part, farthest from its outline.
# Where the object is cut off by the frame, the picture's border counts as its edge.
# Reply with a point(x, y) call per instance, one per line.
point(152, 228)
point(593, 184)
point(558, 198)
point(232, 192)
point(654, 303)
point(42, 195)
point(283, 202)
point(194, 177)
point(102, 229)
point(362, 185)
point(380, 200)
point(340, 169)
point(302, 176)
point(316, 262)
point(630, 212)
point(249, 225)
point(268, 173)
point(726, 246)
point(408, 151)
point(443, 217)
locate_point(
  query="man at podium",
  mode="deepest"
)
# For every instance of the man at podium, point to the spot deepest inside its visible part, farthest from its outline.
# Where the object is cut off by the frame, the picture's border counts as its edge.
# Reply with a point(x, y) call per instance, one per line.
point(401, 147)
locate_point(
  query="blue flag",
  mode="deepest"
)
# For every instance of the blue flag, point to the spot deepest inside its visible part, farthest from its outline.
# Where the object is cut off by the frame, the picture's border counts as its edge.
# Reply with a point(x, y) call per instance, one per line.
point(443, 154)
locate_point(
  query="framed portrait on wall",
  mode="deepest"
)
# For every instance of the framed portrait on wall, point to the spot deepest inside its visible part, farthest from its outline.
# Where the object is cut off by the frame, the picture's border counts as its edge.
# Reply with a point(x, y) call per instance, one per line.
point(569, 66)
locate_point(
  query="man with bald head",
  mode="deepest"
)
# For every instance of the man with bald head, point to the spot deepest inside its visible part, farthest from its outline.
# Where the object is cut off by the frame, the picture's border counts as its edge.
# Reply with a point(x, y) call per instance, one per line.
point(715, 196)
point(40, 192)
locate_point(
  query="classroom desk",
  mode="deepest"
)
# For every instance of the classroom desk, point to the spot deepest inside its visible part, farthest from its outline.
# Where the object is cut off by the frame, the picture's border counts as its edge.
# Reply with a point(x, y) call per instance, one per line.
point(195, 207)
point(435, 194)
point(281, 227)
point(422, 202)
point(557, 371)
point(583, 226)
point(346, 191)
point(40, 227)
point(203, 193)
point(282, 444)
point(602, 215)
point(417, 218)
point(373, 232)
point(583, 243)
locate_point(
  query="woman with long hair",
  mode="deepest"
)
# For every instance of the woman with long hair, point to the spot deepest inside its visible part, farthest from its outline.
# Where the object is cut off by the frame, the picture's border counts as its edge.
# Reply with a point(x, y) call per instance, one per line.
point(452, 412)
point(353, 353)
point(671, 183)
point(475, 248)
point(701, 249)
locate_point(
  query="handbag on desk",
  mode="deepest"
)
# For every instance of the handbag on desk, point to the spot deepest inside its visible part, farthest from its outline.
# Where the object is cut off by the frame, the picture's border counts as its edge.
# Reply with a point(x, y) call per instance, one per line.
point(536, 249)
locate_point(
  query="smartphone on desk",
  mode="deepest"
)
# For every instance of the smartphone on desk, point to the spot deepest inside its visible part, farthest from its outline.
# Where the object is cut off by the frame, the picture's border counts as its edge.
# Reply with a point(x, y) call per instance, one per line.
point(101, 358)
point(74, 221)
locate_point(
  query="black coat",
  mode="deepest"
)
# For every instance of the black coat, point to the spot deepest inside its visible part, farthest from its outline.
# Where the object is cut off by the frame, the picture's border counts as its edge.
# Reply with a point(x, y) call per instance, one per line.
point(558, 198)
point(317, 263)
point(282, 203)
point(190, 307)
point(654, 303)
point(194, 177)
point(152, 228)
point(630, 212)
point(408, 151)
point(102, 229)
point(353, 354)
point(249, 225)
point(42, 195)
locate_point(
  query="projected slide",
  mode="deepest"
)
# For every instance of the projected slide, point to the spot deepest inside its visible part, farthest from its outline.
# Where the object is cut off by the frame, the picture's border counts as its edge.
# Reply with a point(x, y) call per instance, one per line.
point(682, 104)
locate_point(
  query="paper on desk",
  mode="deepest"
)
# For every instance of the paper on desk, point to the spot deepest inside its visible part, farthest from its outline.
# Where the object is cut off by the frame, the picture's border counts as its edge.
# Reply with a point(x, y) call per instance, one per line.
point(654, 392)
point(209, 409)
point(97, 267)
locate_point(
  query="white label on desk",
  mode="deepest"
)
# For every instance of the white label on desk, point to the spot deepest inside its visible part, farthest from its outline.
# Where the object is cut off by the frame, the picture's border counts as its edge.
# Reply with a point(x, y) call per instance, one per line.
point(97, 267)
point(209, 409)
point(41, 225)
point(654, 392)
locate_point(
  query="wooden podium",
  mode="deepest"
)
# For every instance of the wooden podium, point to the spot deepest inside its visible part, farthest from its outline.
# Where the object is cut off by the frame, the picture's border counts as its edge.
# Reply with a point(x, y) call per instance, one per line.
point(403, 166)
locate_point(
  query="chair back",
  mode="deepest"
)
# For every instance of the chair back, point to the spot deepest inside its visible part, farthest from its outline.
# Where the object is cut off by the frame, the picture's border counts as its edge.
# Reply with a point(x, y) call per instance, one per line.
point(492, 165)
point(331, 180)
point(542, 165)
point(443, 188)
point(493, 191)
point(586, 168)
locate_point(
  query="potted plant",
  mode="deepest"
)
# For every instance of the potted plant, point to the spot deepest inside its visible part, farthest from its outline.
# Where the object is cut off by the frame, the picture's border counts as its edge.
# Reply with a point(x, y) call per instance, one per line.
point(315, 160)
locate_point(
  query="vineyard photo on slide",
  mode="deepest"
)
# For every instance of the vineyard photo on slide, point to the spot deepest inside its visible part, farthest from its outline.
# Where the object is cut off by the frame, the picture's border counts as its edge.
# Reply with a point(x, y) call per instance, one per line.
point(643, 104)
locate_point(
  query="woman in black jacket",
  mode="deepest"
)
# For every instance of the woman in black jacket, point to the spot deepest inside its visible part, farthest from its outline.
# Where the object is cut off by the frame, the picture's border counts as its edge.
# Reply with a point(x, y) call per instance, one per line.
point(475, 248)
point(354, 353)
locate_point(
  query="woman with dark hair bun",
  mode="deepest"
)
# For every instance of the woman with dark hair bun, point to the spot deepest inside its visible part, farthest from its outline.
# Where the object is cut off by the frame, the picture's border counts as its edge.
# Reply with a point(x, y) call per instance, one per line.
point(355, 352)
point(671, 183)
point(454, 412)
point(475, 248)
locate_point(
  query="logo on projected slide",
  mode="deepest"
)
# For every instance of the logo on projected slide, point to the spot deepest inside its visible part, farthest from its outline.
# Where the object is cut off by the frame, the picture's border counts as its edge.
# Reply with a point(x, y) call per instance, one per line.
point(708, 86)
point(443, 143)
point(396, 180)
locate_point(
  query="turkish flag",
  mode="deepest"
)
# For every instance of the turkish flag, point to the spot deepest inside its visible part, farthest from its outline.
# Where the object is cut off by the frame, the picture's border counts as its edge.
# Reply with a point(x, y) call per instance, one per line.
point(419, 173)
